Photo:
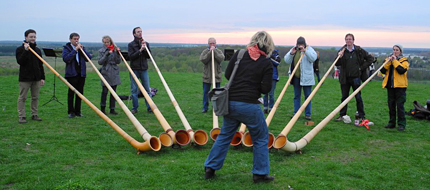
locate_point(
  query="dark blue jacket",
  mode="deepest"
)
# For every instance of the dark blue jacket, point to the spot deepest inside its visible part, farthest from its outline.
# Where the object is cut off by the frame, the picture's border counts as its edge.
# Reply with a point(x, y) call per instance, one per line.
point(69, 57)
point(276, 59)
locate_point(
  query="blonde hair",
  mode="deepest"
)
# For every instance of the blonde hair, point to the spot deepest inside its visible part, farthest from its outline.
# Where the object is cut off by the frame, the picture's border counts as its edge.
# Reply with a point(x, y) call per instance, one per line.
point(264, 41)
point(109, 38)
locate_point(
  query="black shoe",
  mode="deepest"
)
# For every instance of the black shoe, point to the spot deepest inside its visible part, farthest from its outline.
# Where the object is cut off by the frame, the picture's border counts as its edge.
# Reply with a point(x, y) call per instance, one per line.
point(389, 126)
point(209, 173)
point(262, 178)
point(308, 117)
point(71, 115)
point(103, 109)
point(79, 115)
point(149, 111)
point(133, 112)
point(401, 128)
point(265, 111)
point(204, 111)
point(113, 112)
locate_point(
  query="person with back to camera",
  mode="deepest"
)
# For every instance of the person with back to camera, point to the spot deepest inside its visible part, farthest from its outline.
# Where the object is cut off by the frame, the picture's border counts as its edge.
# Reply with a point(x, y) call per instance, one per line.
point(253, 77)
point(303, 78)
point(76, 72)
point(269, 99)
point(396, 82)
point(109, 59)
point(31, 75)
point(353, 63)
point(206, 59)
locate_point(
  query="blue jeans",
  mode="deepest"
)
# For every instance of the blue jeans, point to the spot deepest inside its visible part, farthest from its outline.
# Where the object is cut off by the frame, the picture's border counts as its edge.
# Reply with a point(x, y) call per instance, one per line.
point(206, 88)
point(269, 99)
point(144, 78)
point(252, 116)
point(298, 94)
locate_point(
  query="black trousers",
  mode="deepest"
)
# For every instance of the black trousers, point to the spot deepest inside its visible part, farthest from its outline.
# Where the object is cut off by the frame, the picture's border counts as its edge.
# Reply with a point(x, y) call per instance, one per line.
point(104, 97)
point(78, 83)
point(396, 102)
point(354, 83)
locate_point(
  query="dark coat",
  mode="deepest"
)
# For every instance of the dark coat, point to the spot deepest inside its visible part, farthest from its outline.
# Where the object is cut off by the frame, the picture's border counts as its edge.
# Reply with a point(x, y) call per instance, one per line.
point(69, 57)
point(138, 60)
point(30, 67)
point(364, 59)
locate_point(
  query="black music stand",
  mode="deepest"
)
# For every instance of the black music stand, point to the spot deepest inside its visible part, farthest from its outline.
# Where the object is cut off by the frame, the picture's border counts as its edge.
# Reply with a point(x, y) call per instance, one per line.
point(228, 53)
point(52, 53)
point(125, 55)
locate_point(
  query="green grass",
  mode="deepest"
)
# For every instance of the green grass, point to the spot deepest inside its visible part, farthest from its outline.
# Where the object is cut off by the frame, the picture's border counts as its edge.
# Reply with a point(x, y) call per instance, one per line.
point(86, 153)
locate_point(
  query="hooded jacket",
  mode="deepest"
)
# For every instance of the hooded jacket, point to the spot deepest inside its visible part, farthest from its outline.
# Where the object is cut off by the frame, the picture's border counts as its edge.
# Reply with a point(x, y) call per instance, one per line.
point(396, 73)
point(30, 67)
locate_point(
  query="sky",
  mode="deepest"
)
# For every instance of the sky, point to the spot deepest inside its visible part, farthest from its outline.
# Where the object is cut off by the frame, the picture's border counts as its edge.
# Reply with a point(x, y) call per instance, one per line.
point(374, 23)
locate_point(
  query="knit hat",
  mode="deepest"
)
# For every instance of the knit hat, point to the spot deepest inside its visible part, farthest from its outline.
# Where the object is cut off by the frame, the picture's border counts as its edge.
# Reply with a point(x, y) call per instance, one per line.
point(301, 40)
point(400, 47)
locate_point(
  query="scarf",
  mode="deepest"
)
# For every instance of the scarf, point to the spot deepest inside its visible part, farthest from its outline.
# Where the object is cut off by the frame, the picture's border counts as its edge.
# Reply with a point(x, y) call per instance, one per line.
point(255, 52)
point(110, 47)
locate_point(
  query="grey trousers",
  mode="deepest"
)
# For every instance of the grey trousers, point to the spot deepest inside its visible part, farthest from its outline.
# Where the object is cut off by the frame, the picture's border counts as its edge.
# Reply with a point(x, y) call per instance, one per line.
point(34, 87)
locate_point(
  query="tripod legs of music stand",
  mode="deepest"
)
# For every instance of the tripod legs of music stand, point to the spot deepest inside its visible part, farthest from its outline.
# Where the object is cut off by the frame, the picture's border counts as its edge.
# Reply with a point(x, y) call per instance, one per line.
point(54, 98)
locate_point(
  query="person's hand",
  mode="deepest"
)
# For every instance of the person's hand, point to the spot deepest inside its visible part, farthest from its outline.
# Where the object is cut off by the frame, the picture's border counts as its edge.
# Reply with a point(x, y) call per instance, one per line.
point(293, 50)
point(142, 48)
point(42, 82)
point(212, 48)
point(340, 54)
point(302, 48)
point(117, 48)
point(78, 47)
point(26, 45)
point(393, 57)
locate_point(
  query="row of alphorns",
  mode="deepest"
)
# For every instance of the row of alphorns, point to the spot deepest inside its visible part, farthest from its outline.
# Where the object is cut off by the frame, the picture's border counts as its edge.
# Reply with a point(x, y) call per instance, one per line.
point(200, 137)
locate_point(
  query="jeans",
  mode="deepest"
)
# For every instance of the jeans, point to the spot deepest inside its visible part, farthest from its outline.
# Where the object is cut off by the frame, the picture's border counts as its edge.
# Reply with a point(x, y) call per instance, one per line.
point(144, 78)
point(354, 83)
point(78, 82)
point(206, 88)
point(252, 116)
point(34, 86)
point(396, 102)
point(298, 95)
point(104, 96)
point(269, 99)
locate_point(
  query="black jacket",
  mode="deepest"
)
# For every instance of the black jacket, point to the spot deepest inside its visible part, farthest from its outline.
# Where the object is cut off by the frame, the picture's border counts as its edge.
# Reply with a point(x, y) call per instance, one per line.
point(252, 78)
point(138, 60)
point(31, 68)
point(363, 61)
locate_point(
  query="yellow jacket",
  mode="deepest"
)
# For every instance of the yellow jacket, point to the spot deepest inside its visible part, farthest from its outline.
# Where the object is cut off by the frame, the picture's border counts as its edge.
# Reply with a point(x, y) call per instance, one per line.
point(399, 78)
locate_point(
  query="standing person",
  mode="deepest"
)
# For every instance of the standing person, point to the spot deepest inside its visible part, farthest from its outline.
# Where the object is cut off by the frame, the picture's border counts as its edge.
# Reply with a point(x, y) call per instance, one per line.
point(269, 99)
point(253, 77)
point(31, 75)
point(139, 56)
point(76, 71)
point(303, 78)
point(372, 66)
point(317, 66)
point(109, 59)
point(206, 59)
point(396, 82)
point(353, 63)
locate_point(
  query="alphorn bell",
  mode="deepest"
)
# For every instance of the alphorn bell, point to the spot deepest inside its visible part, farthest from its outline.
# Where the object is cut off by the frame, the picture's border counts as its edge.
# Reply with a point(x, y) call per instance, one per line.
point(130, 116)
point(215, 130)
point(291, 123)
point(167, 138)
point(152, 143)
point(294, 146)
point(246, 139)
point(183, 137)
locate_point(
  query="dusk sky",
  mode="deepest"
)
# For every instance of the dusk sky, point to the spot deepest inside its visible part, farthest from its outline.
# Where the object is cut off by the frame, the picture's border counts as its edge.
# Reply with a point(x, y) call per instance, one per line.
point(323, 23)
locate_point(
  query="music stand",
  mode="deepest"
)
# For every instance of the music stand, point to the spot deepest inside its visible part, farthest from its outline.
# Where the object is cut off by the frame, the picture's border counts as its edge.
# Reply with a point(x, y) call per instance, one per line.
point(228, 53)
point(52, 53)
point(125, 55)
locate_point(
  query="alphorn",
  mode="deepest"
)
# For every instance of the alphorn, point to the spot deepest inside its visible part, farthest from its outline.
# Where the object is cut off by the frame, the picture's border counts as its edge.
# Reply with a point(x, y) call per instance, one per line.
point(127, 111)
point(246, 138)
point(183, 137)
point(215, 130)
point(293, 120)
point(167, 138)
point(282, 141)
point(152, 142)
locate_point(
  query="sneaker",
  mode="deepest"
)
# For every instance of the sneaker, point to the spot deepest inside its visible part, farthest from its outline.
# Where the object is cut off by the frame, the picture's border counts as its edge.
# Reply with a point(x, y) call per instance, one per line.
point(36, 118)
point(209, 173)
point(133, 112)
point(72, 115)
point(22, 120)
point(308, 117)
point(339, 119)
point(262, 178)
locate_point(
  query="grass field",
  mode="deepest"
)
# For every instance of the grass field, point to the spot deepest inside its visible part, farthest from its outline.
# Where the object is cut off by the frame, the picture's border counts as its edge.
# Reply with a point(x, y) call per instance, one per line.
point(86, 153)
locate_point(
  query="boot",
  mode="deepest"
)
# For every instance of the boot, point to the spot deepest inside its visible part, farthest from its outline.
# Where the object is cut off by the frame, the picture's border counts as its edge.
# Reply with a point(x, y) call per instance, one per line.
point(113, 112)
point(103, 109)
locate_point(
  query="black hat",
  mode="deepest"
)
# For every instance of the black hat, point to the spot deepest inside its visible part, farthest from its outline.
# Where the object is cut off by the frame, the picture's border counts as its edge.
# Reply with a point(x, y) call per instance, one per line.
point(301, 40)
